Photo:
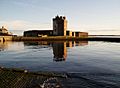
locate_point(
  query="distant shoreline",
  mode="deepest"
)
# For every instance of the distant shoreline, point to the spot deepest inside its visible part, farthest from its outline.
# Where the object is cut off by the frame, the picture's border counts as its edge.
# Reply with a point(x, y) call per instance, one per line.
point(103, 35)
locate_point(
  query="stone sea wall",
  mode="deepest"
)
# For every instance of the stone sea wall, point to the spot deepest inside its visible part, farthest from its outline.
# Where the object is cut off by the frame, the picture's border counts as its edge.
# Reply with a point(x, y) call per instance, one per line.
point(6, 38)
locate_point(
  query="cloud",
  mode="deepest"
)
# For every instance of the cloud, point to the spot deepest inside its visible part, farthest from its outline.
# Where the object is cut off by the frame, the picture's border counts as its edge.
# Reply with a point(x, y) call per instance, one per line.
point(23, 25)
point(16, 24)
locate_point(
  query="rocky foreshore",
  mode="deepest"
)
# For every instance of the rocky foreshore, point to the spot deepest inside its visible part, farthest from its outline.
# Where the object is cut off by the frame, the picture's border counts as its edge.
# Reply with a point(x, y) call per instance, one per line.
point(17, 78)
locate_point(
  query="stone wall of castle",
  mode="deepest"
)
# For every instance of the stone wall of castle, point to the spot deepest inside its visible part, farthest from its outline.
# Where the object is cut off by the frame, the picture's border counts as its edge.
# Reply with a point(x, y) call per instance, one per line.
point(59, 26)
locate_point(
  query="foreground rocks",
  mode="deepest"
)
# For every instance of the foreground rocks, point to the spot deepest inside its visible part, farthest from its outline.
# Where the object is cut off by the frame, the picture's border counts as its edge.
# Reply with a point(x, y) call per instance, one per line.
point(16, 78)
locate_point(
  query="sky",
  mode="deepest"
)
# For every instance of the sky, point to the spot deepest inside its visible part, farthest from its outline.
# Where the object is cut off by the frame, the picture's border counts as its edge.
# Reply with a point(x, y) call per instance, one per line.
point(93, 16)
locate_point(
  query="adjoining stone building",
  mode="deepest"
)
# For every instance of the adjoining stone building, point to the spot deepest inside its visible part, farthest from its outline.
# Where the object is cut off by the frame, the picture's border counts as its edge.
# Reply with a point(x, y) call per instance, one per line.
point(38, 33)
point(59, 29)
point(69, 33)
point(81, 34)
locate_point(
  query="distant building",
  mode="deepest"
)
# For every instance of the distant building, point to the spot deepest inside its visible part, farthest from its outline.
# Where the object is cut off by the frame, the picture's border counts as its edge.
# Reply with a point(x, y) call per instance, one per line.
point(59, 29)
point(4, 32)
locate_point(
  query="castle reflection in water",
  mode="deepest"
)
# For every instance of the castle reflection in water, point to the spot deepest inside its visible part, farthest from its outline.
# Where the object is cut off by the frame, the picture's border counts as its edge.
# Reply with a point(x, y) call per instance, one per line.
point(59, 51)
point(59, 47)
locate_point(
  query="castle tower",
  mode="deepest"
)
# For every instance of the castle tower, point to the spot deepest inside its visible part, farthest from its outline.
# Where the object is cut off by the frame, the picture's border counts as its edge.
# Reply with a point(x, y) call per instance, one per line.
point(59, 26)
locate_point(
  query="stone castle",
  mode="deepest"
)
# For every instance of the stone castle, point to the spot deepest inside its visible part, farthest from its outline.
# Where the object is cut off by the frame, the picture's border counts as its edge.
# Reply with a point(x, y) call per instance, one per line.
point(59, 29)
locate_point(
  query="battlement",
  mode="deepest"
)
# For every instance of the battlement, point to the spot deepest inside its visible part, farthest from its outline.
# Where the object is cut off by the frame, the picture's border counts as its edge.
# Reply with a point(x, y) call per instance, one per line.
point(59, 18)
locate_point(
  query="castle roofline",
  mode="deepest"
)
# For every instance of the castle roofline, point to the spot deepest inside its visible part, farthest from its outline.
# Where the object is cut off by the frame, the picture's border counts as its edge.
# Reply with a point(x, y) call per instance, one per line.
point(59, 17)
point(38, 30)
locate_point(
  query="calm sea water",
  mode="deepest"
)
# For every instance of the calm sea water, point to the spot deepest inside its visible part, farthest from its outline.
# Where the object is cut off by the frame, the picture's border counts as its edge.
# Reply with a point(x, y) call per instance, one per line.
point(81, 56)
point(89, 64)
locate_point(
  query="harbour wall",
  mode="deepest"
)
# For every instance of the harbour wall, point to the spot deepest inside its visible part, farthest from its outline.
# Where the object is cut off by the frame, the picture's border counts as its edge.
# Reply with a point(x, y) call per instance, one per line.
point(6, 38)
point(65, 38)
point(57, 38)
